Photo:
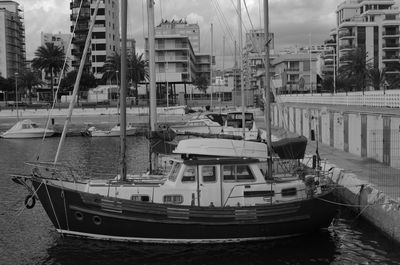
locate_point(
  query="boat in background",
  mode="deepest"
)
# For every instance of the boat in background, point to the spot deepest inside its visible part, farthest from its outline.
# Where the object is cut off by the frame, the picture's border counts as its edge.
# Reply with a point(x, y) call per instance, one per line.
point(27, 129)
point(196, 125)
point(114, 132)
point(234, 126)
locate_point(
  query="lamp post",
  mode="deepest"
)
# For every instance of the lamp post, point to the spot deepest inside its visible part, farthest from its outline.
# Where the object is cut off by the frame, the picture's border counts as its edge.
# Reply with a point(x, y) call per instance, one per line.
point(16, 94)
point(118, 98)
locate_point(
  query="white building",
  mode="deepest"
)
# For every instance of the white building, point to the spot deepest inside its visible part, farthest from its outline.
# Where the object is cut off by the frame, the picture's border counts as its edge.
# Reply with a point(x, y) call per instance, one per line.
point(105, 39)
point(12, 39)
point(372, 25)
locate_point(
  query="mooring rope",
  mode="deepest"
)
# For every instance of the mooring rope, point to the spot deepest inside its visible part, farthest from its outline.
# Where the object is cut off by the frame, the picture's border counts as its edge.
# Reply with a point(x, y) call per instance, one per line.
point(52, 206)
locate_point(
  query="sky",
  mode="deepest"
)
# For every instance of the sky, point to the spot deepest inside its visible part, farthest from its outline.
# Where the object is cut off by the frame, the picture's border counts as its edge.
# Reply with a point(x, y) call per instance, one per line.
point(292, 21)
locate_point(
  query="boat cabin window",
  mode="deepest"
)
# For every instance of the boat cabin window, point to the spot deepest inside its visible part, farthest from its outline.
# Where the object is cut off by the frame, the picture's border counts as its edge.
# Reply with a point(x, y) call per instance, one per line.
point(25, 126)
point(209, 173)
point(174, 172)
point(237, 173)
point(189, 175)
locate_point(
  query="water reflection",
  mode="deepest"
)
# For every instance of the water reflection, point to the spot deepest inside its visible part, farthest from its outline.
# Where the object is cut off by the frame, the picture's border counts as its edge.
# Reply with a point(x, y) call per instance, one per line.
point(314, 249)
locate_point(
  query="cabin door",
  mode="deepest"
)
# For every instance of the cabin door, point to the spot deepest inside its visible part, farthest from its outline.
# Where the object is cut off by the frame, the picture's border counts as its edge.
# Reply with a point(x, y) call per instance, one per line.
point(210, 186)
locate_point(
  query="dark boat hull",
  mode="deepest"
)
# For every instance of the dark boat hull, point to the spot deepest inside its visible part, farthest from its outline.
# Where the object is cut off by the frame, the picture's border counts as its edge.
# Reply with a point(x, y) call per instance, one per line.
point(93, 216)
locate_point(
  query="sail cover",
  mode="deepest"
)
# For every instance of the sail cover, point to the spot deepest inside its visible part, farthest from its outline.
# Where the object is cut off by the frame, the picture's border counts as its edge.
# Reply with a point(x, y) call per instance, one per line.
point(290, 148)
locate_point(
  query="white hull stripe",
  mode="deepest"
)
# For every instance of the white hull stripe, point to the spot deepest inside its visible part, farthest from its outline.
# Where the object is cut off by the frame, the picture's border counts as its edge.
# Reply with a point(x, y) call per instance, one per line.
point(171, 240)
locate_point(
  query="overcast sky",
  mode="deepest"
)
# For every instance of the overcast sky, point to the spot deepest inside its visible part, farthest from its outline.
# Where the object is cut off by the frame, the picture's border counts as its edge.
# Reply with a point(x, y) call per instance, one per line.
point(292, 21)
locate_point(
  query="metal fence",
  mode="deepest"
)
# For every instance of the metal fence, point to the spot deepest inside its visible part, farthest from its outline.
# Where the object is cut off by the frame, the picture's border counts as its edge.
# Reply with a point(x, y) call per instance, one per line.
point(389, 98)
point(383, 162)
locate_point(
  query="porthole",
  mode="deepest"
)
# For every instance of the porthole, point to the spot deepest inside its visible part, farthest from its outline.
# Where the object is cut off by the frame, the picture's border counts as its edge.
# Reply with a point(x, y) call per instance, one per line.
point(96, 220)
point(79, 216)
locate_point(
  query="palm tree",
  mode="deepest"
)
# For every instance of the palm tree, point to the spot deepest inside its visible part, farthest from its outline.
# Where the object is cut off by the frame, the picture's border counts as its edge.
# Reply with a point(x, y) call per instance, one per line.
point(356, 68)
point(377, 77)
point(49, 58)
point(111, 68)
point(30, 79)
point(137, 69)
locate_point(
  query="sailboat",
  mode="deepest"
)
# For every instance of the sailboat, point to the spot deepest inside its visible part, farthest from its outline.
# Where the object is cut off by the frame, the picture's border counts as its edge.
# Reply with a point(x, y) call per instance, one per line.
point(217, 191)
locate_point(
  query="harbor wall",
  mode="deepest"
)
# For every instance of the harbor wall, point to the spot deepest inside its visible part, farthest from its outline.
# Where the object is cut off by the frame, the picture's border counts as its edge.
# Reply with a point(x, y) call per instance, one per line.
point(366, 134)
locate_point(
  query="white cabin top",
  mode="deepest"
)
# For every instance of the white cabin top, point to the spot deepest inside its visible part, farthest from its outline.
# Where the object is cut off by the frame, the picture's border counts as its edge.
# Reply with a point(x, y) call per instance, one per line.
point(222, 148)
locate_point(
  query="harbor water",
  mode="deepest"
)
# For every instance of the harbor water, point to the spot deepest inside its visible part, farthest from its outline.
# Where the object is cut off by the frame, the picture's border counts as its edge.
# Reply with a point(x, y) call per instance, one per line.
point(28, 237)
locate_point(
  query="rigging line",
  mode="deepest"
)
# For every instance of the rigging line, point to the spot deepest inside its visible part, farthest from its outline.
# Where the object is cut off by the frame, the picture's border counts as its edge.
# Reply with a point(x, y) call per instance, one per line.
point(223, 30)
point(248, 14)
point(218, 7)
point(52, 207)
point(143, 32)
point(59, 82)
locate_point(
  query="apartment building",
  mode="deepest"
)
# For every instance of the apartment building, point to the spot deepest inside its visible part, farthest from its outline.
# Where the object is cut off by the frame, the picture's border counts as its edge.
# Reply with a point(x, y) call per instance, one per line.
point(372, 25)
point(12, 39)
point(296, 72)
point(253, 56)
point(180, 27)
point(105, 39)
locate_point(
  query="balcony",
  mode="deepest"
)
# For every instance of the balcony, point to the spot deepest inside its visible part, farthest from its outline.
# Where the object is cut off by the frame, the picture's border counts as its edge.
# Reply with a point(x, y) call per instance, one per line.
point(344, 35)
point(391, 46)
point(393, 58)
point(76, 4)
point(347, 47)
point(391, 33)
point(82, 15)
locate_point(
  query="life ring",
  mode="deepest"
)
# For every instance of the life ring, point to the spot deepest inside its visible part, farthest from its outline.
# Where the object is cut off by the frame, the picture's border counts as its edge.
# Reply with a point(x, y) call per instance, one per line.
point(30, 201)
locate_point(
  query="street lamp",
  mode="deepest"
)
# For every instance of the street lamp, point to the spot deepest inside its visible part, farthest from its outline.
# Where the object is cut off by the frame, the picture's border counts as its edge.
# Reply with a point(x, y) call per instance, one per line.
point(16, 94)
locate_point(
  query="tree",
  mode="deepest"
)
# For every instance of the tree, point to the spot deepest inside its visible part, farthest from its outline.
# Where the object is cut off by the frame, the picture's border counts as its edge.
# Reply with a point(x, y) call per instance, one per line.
point(49, 58)
point(30, 79)
point(327, 84)
point(356, 68)
point(201, 82)
point(5, 85)
point(377, 78)
point(136, 72)
point(87, 81)
point(112, 68)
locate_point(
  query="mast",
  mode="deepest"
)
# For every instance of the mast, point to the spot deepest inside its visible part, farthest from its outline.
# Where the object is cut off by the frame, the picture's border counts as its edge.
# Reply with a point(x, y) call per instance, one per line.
point(77, 81)
point(241, 68)
point(152, 64)
point(267, 108)
point(211, 71)
point(123, 90)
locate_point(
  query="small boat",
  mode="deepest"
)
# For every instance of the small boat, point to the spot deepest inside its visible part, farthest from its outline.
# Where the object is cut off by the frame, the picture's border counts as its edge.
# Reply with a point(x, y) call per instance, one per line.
point(115, 131)
point(200, 124)
point(234, 126)
point(26, 129)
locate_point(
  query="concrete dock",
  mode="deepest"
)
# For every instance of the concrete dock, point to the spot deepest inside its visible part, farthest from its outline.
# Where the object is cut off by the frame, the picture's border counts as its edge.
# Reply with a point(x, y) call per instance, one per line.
point(366, 168)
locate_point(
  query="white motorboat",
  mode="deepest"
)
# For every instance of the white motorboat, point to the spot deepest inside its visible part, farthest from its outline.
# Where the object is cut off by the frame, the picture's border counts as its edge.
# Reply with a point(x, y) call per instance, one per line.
point(26, 129)
point(200, 125)
point(115, 131)
point(234, 126)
